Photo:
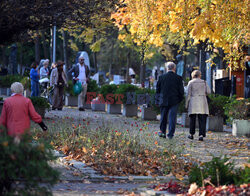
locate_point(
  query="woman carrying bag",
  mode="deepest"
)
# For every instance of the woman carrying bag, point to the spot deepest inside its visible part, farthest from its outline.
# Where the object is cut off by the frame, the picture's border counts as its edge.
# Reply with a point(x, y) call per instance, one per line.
point(58, 81)
point(197, 105)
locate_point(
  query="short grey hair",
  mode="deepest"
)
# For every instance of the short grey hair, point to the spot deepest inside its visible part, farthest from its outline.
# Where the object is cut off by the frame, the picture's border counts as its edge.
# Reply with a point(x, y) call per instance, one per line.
point(196, 74)
point(170, 66)
point(46, 61)
point(17, 87)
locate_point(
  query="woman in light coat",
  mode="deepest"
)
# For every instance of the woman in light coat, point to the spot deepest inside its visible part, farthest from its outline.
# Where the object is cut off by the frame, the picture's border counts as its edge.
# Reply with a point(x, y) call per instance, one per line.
point(196, 103)
point(58, 81)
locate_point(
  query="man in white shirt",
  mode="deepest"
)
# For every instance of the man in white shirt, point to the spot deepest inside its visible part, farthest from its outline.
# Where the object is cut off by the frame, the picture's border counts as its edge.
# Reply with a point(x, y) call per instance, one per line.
point(80, 73)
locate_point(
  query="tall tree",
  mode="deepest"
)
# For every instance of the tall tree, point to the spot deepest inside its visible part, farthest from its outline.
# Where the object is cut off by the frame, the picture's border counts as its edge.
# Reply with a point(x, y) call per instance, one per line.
point(223, 23)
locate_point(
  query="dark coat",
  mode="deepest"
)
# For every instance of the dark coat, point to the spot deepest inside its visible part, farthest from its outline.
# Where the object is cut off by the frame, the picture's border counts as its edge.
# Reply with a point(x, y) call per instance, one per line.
point(170, 86)
point(75, 71)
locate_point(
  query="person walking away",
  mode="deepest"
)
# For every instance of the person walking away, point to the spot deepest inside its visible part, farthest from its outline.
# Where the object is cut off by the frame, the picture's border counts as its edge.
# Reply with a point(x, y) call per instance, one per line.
point(81, 73)
point(17, 111)
point(170, 87)
point(34, 77)
point(197, 105)
point(58, 81)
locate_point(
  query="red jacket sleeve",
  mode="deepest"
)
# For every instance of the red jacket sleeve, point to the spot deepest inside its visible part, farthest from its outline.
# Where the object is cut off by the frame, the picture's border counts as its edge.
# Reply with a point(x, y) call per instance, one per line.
point(33, 114)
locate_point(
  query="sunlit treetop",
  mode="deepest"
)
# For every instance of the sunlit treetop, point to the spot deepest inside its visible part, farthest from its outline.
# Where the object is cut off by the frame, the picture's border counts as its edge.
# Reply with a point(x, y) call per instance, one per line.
point(223, 22)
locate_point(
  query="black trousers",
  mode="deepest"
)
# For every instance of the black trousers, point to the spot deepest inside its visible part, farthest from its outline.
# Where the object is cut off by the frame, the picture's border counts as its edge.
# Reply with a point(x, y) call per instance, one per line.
point(202, 118)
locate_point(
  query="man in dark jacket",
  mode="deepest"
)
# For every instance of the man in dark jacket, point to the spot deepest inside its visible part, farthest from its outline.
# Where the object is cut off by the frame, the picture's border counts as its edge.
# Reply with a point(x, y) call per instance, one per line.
point(170, 87)
point(81, 73)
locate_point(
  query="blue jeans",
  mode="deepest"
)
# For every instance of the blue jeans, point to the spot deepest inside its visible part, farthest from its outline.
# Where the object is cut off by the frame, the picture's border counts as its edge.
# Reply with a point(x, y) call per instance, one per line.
point(168, 112)
point(34, 88)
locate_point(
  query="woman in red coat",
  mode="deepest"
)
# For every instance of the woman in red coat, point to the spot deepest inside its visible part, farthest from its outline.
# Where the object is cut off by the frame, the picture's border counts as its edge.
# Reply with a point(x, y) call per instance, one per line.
point(17, 111)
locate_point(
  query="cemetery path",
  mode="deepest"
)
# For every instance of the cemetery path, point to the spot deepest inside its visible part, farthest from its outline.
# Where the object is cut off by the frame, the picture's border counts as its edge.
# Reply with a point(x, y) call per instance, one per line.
point(223, 143)
point(216, 143)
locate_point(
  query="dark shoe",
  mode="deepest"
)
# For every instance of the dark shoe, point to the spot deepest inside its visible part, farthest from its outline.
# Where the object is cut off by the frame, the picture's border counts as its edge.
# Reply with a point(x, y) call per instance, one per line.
point(162, 134)
point(200, 138)
point(191, 137)
point(60, 109)
point(170, 137)
point(81, 109)
point(53, 108)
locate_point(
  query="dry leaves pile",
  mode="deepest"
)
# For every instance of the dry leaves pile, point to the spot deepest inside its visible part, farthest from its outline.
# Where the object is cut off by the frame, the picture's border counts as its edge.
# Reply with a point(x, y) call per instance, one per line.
point(113, 152)
point(182, 190)
point(116, 154)
point(243, 189)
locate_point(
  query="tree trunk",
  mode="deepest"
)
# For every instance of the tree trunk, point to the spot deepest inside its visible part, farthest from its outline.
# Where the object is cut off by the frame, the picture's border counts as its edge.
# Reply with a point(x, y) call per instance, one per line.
point(45, 51)
point(51, 45)
point(111, 61)
point(65, 49)
point(37, 48)
point(13, 59)
point(202, 62)
point(142, 67)
point(95, 62)
point(185, 61)
point(95, 58)
point(21, 59)
point(128, 66)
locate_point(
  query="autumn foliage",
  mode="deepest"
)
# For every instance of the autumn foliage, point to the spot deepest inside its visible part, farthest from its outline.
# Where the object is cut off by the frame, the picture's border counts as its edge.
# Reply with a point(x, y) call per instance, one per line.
point(222, 23)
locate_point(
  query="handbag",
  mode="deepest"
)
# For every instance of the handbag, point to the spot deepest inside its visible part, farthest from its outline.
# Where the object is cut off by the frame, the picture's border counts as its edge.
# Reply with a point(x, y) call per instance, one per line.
point(77, 88)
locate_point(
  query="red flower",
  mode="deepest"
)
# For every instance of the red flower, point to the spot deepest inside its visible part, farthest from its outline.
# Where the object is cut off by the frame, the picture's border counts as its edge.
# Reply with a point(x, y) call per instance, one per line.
point(83, 120)
point(116, 131)
point(132, 125)
point(140, 129)
point(127, 130)
point(156, 132)
point(136, 125)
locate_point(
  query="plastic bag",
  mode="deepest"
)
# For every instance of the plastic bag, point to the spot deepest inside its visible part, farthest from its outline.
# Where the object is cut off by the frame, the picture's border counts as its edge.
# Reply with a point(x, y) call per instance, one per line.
point(77, 88)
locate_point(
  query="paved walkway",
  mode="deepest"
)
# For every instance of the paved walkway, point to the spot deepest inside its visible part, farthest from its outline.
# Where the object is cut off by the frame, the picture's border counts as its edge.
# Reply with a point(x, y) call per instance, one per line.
point(216, 143)
point(73, 183)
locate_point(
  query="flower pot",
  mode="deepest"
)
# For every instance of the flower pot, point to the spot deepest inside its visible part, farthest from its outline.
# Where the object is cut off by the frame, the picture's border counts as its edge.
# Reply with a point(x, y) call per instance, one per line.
point(148, 113)
point(40, 111)
point(129, 110)
point(185, 121)
point(241, 128)
point(97, 106)
point(114, 108)
point(214, 123)
point(87, 106)
point(71, 101)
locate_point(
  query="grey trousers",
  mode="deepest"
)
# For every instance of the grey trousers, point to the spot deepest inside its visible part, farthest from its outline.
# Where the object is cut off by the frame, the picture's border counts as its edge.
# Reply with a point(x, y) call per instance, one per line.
point(81, 96)
point(57, 101)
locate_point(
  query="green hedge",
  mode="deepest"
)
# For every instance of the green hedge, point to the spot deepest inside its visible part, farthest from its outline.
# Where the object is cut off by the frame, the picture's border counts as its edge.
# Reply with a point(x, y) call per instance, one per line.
point(24, 166)
point(6, 81)
point(40, 102)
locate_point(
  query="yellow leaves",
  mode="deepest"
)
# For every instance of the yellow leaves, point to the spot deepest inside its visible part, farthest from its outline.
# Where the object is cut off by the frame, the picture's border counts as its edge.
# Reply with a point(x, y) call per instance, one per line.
point(95, 47)
point(84, 150)
point(65, 149)
point(179, 177)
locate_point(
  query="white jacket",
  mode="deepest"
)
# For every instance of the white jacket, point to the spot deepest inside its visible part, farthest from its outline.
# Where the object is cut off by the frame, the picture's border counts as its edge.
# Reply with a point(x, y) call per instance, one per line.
point(196, 100)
